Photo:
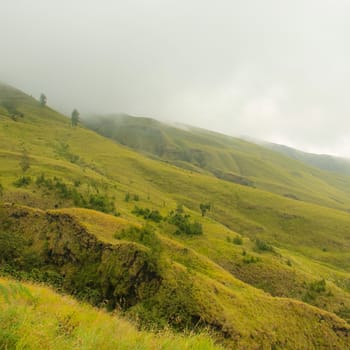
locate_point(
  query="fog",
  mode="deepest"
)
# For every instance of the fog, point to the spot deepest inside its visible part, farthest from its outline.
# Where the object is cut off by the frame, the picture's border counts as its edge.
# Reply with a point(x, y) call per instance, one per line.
point(274, 70)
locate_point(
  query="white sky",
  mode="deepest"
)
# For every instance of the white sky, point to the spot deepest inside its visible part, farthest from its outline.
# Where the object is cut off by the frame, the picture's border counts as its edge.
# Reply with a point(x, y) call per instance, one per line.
point(272, 69)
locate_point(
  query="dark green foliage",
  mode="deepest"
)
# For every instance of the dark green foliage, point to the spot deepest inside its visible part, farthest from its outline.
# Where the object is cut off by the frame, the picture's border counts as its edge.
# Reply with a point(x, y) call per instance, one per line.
point(95, 201)
point(148, 214)
point(237, 240)
point(75, 262)
point(25, 161)
point(204, 208)
point(75, 117)
point(318, 286)
point(101, 203)
point(250, 259)
point(183, 222)
point(144, 235)
point(314, 289)
point(263, 246)
point(43, 100)
point(173, 305)
point(1, 190)
point(23, 181)
point(128, 197)
point(11, 247)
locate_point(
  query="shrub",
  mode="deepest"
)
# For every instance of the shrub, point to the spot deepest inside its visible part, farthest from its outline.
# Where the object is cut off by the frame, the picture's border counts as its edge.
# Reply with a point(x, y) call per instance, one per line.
point(183, 223)
point(204, 207)
point(23, 181)
point(314, 289)
point(11, 247)
point(148, 214)
point(101, 203)
point(261, 245)
point(249, 259)
point(93, 201)
point(318, 286)
point(237, 240)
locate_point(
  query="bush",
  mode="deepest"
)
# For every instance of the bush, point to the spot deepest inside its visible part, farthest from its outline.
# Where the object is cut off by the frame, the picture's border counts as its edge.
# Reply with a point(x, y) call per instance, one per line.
point(261, 245)
point(314, 289)
point(249, 259)
point(318, 286)
point(23, 181)
point(101, 203)
point(148, 214)
point(93, 201)
point(183, 223)
point(144, 235)
point(204, 207)
point(11, 247)
point(237, 240)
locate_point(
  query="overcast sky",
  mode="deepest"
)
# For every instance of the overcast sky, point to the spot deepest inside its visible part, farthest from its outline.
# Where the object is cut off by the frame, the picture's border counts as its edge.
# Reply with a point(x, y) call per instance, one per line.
point(278, 70)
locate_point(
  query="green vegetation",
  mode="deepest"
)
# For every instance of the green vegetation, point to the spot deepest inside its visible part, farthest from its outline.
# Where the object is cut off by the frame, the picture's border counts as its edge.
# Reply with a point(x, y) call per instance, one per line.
point(148, 214)
point(204, 207)
point(240, 272)
point(262, 246)
point(24, 162)
point(228, 158)
point(183, 222)
point(237, 240)
point(75, 117)
point(35, 317)
point(43, 99)
point(22, 181)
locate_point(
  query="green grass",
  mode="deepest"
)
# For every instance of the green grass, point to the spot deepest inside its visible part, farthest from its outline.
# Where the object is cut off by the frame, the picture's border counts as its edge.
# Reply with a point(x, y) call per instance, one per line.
point(228, 158)
point(34, 317)
point(234, 289)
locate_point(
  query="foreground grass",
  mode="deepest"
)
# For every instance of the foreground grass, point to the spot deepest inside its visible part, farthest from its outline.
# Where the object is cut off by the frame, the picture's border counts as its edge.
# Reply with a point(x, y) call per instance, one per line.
point(34, 317)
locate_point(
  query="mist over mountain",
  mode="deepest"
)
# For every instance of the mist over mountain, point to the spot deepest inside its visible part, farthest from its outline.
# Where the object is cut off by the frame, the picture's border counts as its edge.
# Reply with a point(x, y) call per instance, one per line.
point(271, 70)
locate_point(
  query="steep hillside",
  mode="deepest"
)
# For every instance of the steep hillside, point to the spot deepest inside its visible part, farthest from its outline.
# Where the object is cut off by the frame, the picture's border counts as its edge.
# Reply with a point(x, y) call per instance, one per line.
point(227, 158)
point(34, 317)
point(258, 269)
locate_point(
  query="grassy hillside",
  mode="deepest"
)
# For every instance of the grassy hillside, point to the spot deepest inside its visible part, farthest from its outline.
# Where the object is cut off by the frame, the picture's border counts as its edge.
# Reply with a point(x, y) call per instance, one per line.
point(227, 158)
point(34, 317)
point(322, 161)
point(259, 269)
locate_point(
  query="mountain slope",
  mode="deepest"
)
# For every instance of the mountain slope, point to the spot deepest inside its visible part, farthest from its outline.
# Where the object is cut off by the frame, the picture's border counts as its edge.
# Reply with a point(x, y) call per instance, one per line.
point(44, 319)
point(228, 158)
point(278, 247)
point(322, 161)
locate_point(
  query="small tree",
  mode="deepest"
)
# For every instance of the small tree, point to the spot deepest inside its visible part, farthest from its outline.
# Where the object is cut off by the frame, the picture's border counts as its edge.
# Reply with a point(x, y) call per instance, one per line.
point(75, 117)
point(24, 162)
point(43, 99)
point(204, 208)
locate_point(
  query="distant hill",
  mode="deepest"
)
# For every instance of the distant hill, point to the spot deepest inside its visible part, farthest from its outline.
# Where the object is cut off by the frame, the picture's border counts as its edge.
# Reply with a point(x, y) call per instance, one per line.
point(322, 161)
point(227, 158)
